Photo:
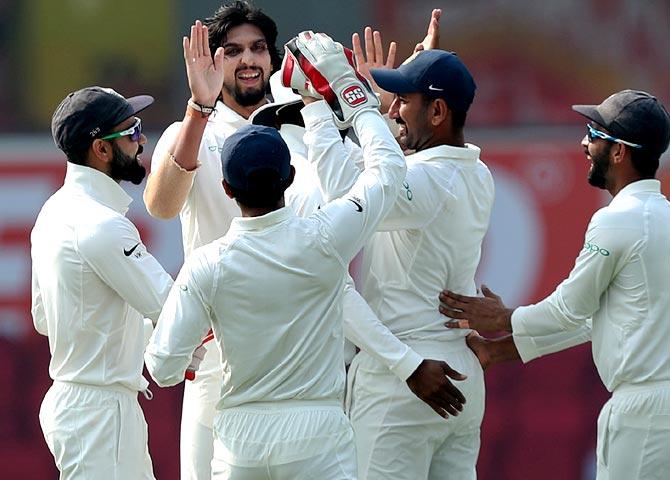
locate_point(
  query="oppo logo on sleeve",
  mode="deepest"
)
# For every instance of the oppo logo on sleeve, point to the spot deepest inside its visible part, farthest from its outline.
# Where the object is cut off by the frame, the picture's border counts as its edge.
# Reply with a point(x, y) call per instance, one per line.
point(592, 247)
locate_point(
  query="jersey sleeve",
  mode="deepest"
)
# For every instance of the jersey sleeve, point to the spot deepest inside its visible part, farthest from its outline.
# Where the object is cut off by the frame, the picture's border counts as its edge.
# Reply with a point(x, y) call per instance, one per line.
point(183, 323)
point(37, 307)
point(351, 220)
point(564, 317)
point(366, 331)
point(115, 252)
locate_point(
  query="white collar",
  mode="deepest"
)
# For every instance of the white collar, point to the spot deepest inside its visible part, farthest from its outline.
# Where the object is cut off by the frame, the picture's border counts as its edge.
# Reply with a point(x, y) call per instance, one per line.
point(469, 153)
point(223, 113)
point(98, 185)
point(262, 222)
point(650, 185)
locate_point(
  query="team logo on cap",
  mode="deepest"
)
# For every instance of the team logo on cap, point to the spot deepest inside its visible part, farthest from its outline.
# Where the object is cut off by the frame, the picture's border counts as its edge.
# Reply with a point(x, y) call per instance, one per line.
point(354, 95)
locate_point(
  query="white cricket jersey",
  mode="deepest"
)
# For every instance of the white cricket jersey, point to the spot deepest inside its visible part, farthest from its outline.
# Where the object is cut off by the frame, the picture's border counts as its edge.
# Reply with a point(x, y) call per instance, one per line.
point(93, 282)
point(361, 325)
point(431, 238)
point(620, 285)
point(272, 290)
point(207, 212)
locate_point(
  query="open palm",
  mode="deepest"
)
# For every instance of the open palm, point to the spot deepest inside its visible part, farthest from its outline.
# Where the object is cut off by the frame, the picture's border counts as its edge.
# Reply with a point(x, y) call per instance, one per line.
point(205, 74)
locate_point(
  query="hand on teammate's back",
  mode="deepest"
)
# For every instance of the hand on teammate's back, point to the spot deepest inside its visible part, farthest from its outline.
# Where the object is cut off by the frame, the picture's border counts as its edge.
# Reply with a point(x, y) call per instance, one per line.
point(484, 314)
point(430, 382)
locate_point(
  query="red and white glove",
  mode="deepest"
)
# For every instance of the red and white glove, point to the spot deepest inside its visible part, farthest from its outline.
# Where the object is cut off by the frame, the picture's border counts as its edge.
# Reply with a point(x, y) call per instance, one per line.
point(197, 358)
point(315, 64)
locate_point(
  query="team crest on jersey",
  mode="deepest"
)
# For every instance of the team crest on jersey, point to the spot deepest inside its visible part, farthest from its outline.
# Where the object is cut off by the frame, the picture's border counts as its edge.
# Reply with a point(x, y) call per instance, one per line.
point(354, 95)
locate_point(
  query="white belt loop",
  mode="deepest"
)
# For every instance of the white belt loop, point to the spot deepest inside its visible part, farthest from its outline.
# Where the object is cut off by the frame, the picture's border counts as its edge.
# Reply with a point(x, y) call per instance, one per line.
point(148, 394)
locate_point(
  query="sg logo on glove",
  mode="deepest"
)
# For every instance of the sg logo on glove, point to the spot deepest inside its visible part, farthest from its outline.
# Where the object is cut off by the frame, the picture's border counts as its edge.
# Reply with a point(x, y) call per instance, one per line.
point(354, 95)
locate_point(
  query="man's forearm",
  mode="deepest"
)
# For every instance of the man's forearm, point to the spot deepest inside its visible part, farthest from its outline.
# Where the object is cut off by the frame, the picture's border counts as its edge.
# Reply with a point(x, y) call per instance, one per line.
point(169, 185)
point(503, 349)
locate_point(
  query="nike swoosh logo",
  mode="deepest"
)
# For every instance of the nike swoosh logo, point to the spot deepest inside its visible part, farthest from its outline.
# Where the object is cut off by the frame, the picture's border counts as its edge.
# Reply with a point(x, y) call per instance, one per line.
point(435, 89)
point(128, 253)
point(359, 207)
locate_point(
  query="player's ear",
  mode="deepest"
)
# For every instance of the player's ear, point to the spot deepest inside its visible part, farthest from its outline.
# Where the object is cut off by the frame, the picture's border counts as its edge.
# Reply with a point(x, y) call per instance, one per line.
point(101, 151)
point(439, 111)
point(228, 189)
point(291, 177)
point(618, 152)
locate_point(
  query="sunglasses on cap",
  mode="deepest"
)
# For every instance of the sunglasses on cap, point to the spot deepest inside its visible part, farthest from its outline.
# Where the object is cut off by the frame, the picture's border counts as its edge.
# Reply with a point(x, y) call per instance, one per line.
point(592, 134)
point(135, 132)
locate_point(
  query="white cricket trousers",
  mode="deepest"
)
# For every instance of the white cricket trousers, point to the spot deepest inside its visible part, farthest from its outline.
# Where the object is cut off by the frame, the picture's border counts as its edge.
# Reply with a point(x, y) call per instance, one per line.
point(196, 440)
point(400, 437)
point(95, 432)
point(634, 433)
point(287, 440)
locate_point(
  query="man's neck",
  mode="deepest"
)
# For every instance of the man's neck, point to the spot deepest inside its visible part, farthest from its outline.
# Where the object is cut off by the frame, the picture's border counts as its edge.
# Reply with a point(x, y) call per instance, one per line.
point(245, 112)
point(260, 211)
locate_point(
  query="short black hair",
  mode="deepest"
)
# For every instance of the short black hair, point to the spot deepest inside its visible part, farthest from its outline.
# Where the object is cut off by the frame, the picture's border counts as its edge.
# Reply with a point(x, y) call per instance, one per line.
point(78, 156)
point(239, 13)
point(644, 161)
point(268, 189)
point(458, 117)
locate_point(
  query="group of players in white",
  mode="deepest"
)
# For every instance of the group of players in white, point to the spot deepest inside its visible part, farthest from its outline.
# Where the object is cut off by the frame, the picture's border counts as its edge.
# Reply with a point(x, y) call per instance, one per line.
point(353, 167)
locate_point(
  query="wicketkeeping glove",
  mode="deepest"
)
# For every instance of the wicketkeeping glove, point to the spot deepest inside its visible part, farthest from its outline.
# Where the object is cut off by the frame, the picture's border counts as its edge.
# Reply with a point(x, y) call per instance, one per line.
point(314, 63)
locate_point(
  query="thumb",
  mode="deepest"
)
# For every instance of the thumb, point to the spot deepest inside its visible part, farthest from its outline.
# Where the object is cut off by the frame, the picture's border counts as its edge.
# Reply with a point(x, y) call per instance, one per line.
point(488, 293)
point(451, 373)
point(218, 59)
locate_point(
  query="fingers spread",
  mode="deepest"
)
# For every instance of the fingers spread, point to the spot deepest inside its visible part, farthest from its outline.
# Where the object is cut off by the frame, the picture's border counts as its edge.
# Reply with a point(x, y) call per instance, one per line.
point(186, 46)
point(390, 60)
point(379, 49)
point(369, 45)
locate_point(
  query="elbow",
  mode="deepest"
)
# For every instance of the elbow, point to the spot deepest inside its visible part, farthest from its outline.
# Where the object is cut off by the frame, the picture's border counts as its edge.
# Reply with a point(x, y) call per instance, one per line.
point(160, 375)
point(162, 368)
point(158, 208)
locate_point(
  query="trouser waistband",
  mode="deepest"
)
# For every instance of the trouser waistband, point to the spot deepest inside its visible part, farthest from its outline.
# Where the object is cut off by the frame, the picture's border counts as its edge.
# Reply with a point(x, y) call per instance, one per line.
point(107, 388)
point(641, 387)
point(284, 404)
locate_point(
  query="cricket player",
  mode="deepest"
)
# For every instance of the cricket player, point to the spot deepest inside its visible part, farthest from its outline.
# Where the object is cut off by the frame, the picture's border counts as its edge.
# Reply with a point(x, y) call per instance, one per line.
point(93, 281)
point(186, 180)
point(616, 296)
point(431, 237)
point(272, 291)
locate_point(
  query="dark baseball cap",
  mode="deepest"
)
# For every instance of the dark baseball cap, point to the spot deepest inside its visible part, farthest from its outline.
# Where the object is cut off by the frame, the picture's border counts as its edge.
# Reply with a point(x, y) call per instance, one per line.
point(91, 113)
point(435, 73)
point(634, 116)
point(255, 149)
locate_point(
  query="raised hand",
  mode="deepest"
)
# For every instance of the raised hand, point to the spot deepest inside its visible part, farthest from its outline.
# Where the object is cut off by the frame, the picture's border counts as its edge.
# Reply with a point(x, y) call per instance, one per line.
point(205, 74)
point(485, 314)
point(374, 58)
point(429, 382)
point(432, 39)
point(327, 68)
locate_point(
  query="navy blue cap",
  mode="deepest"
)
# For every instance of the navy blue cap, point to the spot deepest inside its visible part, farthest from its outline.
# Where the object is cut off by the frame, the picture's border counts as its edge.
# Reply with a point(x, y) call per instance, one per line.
point(435, 73)
point(255, 148)
point(91, 113)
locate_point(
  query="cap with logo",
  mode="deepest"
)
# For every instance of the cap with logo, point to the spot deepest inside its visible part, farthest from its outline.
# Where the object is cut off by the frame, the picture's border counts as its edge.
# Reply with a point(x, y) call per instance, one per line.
point(91, 113)
point(634, 116)
point(255, 158)
point(435, 73)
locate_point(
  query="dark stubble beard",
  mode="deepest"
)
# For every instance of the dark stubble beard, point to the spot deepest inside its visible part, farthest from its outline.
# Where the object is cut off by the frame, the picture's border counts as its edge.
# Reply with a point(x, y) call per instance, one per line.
point(601, 164)
point(248, 97)
point(126, 167)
